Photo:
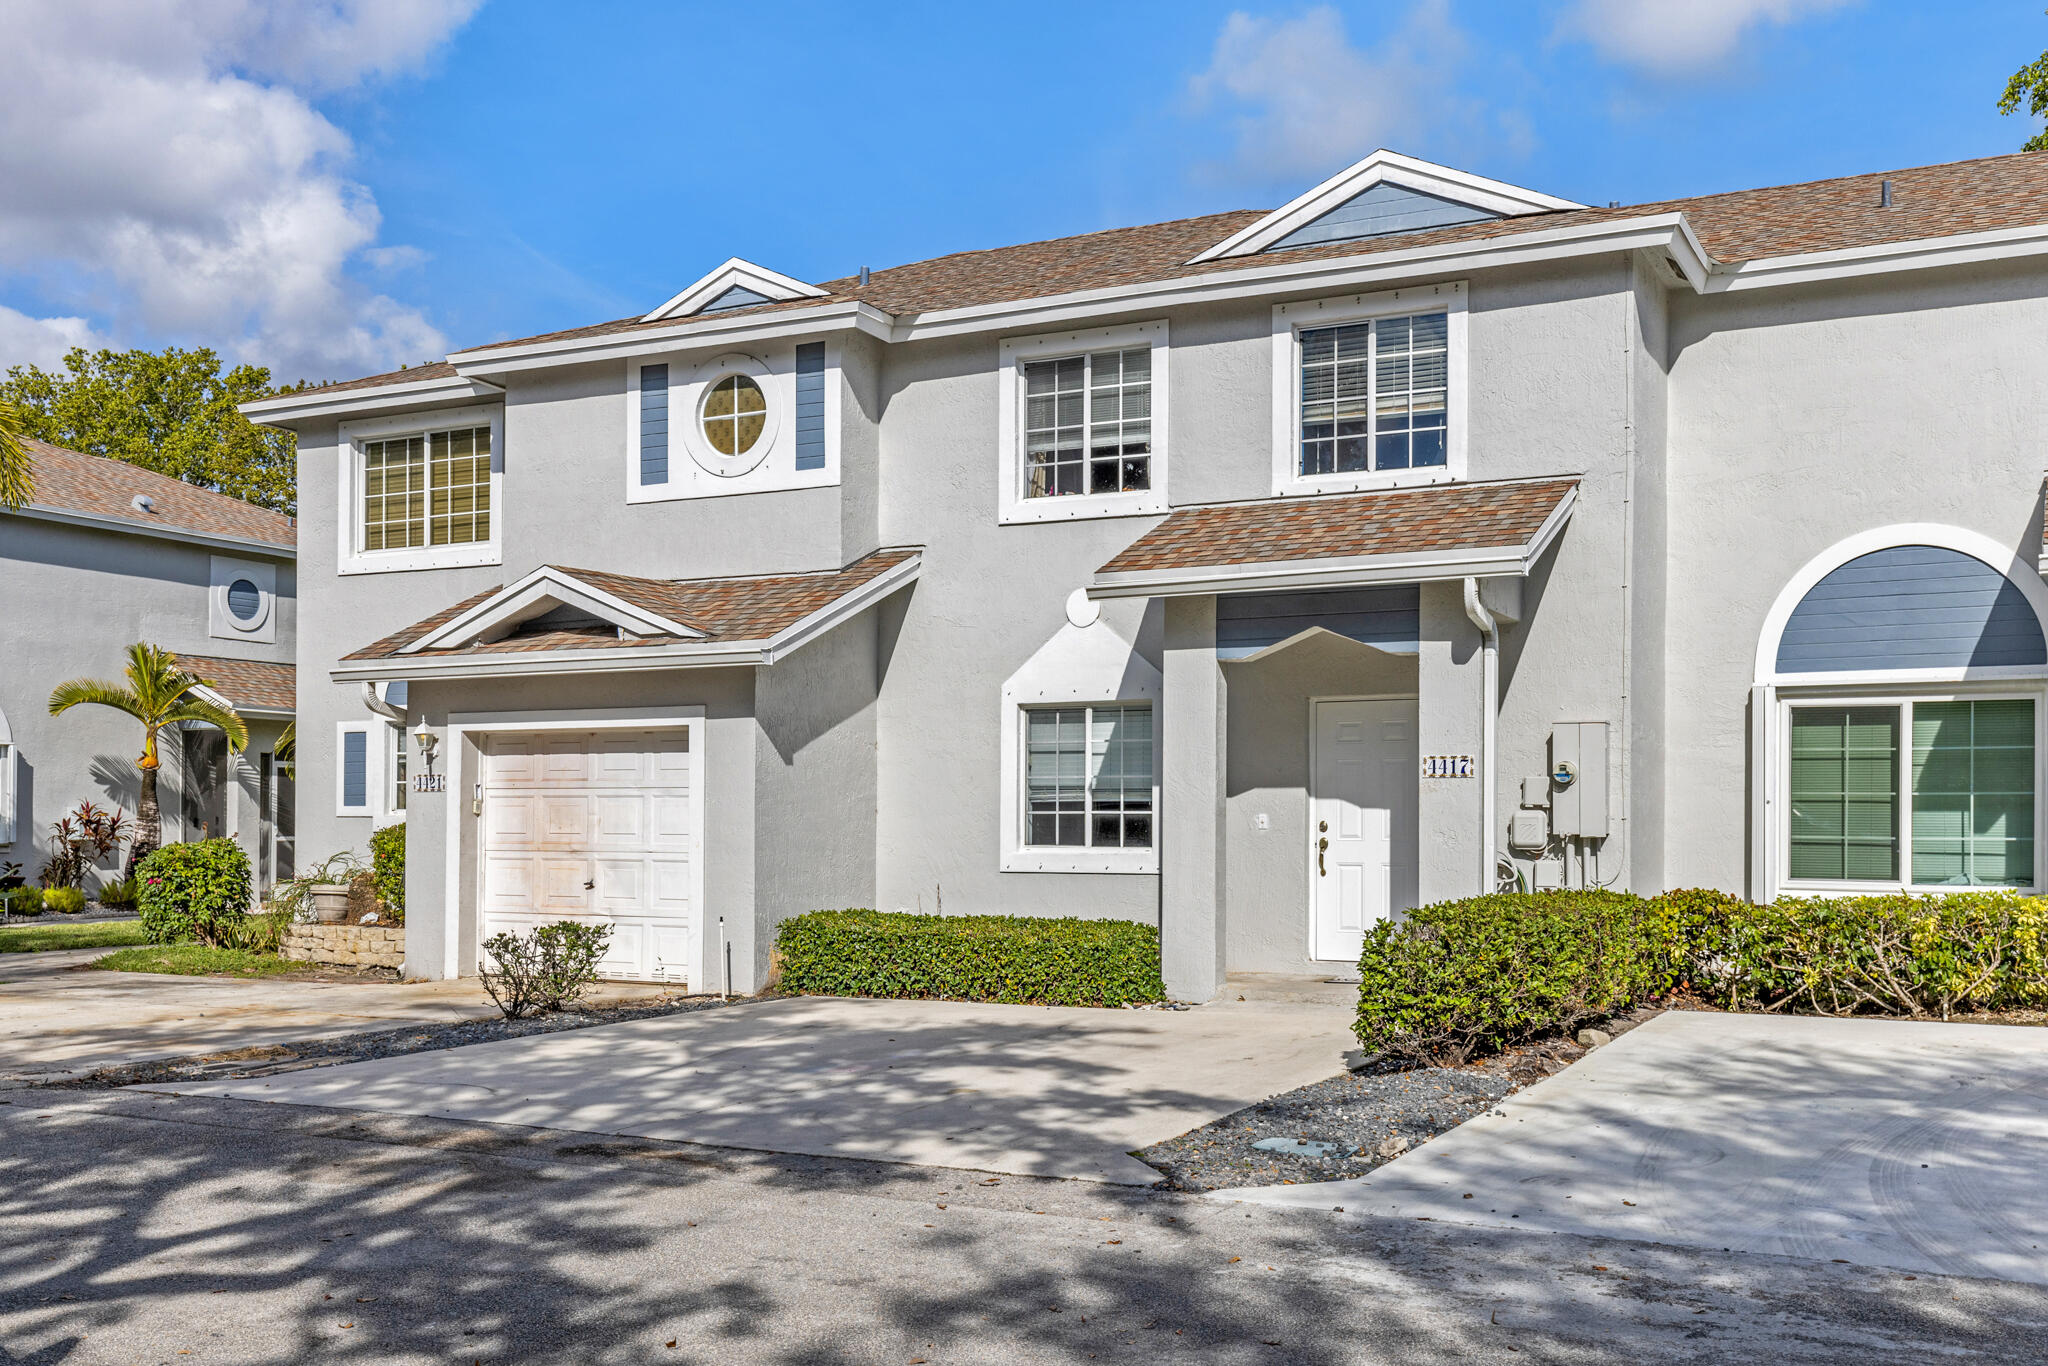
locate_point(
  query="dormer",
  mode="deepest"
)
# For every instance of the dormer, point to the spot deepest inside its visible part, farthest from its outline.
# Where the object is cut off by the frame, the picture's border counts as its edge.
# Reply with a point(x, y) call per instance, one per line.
point(1381, 196)
point(736, 284)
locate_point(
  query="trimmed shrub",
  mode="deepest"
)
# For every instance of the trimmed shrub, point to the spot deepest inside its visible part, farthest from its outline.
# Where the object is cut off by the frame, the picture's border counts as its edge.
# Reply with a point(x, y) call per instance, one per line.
point(1017, 959)
point(118, 894)
point(387, 859)
point(1462, 977)
point(545, 970)
point(64, 900)
point(194, 891)
point(1894, 955)
point(26, 901)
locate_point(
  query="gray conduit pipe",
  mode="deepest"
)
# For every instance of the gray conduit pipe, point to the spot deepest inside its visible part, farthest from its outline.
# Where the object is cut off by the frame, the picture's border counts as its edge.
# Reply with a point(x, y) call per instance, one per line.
point(1489, 720)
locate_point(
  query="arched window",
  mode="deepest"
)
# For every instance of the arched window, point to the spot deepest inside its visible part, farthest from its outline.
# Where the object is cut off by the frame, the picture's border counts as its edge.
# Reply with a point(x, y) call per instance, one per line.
point(1899, 704)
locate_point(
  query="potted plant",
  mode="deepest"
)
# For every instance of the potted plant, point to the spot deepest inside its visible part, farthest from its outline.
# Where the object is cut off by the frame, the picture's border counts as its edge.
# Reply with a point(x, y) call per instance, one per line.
point(323, 891)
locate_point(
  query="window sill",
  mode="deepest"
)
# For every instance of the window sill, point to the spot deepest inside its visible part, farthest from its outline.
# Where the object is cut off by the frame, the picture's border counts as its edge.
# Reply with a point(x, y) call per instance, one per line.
point(1299, 486)
point(393, 563)
point(1790, 888)
point(1081, 861)
point(1081, 507)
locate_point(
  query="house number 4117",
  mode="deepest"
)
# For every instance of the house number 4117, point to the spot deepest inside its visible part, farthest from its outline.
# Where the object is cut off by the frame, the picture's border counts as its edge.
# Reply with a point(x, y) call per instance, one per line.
point(1446, 765)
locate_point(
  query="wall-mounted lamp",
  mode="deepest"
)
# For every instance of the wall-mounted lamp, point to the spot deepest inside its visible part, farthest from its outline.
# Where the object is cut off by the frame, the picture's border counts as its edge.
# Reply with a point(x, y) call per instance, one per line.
point(425, 738)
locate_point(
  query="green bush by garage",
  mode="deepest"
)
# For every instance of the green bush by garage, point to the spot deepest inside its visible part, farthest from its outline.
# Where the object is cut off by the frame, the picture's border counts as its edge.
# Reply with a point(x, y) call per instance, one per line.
point(1012, 959)
point(1460, 978)
point(194, 891)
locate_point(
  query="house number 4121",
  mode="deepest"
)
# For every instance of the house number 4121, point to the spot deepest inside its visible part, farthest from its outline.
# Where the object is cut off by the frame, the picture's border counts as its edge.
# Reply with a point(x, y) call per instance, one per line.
point(1446, 765)
point(430, 782)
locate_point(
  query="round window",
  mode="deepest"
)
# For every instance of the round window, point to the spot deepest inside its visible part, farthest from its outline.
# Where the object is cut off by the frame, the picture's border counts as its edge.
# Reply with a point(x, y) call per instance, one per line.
point(735, 411)
point(245, 600)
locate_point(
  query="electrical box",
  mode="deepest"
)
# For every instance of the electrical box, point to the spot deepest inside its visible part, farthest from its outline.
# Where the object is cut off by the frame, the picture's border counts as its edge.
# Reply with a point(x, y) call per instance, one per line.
point(1547, 875)
point(1529, 830)
point(1578, 779)
point(1535, 791)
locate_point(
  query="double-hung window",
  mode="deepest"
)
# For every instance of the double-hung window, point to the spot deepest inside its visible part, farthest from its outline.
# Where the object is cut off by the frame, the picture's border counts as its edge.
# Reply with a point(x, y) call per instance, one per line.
point(396, 768)
point(1088, 776)
point(1082, 424)
point(1375, 395)
point(422, 494)
point(1916, 792)
point(1088, 423)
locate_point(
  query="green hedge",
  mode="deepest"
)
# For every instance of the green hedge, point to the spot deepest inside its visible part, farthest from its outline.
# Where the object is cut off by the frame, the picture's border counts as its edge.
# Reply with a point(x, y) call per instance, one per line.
point(1464, 977)
point(26, 901)
point(970, 958)
point(194, 891)
point(64, 900)
point(387, 859)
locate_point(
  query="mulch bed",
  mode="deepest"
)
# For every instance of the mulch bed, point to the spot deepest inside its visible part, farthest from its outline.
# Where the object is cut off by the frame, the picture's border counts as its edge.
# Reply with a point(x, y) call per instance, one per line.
point(271, 1059)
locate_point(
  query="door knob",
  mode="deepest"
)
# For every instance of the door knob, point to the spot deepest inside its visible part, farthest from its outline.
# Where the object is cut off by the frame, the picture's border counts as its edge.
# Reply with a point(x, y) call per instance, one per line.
point(1321, 845)
point(590, 884)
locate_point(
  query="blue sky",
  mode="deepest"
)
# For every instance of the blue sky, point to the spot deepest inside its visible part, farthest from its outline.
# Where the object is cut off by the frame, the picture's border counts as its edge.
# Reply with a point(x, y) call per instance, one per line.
point(334, 189)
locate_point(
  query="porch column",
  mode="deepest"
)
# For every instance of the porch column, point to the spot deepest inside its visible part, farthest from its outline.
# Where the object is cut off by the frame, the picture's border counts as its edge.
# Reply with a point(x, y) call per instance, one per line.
point(1450, 713)
point(1191, 730)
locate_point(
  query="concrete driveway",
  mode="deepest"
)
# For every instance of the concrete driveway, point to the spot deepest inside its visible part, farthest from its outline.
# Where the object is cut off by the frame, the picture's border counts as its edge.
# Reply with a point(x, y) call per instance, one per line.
point(1880, 1143)
point(57, 1015)
point(1035, 1090)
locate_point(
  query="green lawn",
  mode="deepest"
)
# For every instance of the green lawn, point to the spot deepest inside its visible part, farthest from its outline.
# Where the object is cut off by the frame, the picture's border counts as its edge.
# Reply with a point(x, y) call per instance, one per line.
point(198, 960)
point(110, 934)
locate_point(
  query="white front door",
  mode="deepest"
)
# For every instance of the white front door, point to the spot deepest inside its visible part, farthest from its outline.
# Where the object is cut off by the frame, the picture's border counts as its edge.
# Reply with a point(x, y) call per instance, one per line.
point(593, 826)
point(1362, 830)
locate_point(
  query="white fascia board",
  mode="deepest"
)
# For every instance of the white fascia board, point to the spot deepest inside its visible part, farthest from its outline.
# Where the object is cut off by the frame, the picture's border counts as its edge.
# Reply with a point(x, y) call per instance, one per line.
point(95, 522)
point(517, 665)
point(801, 633)
point(1465, 562)
point(546, 582)
point(1665, 232)
point(1385, 167)
point(286, 409)
point(1995, 244)
point(770, 284)
point(716, 329)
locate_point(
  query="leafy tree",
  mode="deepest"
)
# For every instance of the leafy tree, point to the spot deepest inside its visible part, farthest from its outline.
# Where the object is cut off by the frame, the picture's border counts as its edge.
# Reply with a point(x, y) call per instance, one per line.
point(2029, 84)
point(159, 694)
point(171, 411)
point(17, 476)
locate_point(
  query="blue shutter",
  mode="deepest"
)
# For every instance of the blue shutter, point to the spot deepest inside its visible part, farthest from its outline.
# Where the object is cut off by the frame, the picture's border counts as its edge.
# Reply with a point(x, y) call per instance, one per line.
point(1381, 211)
point(355, 769)
point(810, 406)
point(1911, 607)
point(654, 424)
point(244, 599)
point(1390, 618)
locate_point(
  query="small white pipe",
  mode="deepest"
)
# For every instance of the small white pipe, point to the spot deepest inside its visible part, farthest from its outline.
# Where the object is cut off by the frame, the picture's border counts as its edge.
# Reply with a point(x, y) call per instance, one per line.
point(1488, 721)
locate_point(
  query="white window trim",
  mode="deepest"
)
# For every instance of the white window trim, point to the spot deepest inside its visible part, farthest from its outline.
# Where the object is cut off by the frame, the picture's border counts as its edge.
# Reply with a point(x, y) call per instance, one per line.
point(373, 768)
point(1011, 505)
point(687, 382)
point(222, 623)
point(1288, 322)
point(1020, 857)
point(352, 559)
point(1885, 694)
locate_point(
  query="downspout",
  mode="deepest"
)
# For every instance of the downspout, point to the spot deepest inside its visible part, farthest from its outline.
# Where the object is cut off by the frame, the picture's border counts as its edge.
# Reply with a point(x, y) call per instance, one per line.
point(377, 704)
point(1489, 720)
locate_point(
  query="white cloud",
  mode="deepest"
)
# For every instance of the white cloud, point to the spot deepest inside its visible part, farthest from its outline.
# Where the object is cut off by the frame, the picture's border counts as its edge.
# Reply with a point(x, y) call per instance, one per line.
point(1309, 103)
point(165, 163)
point(42, 341)
point(1679, 37)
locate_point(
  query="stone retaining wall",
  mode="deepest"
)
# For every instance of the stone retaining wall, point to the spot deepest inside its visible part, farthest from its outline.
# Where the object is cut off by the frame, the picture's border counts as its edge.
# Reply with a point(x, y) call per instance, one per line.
point(369, 946)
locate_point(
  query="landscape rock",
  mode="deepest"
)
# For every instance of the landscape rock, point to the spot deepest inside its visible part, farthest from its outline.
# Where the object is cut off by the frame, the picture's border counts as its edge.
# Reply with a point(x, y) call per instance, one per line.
point(1358, 1060)
point(1393, 1147)
point(1593, 1038)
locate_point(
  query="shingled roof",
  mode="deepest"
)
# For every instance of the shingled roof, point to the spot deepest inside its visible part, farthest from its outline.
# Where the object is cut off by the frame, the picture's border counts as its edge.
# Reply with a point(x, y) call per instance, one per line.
point(97, 486)
point(247, 684)
point(1735, 227)
point(754, 608)
point(1441, 530)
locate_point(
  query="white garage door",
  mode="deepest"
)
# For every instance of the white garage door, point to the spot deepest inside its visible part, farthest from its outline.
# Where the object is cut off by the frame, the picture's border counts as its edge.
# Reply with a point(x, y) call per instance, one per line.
point(593, 826)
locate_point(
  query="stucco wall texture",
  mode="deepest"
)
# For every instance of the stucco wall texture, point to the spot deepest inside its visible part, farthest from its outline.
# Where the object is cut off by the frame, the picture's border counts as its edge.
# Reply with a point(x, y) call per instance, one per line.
point(1721, 443)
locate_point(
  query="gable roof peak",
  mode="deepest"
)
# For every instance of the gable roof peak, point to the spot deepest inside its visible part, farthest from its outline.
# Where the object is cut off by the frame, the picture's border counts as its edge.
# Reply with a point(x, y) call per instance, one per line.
point(1484, 196)
point(735, 284)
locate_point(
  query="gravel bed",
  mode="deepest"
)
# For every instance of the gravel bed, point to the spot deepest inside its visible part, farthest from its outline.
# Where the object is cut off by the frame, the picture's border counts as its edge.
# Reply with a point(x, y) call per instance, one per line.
point(1369, 1117)
point(270, 1059)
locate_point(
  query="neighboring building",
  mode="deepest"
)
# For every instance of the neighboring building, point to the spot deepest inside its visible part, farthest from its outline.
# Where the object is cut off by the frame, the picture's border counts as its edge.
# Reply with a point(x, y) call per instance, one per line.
point(109, 554)
point(1246, 575)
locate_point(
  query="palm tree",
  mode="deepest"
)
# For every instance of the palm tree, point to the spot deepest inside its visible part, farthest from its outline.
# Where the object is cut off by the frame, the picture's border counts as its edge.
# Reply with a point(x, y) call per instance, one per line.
point(158, 694)
point(286, 750)
point(17, 472)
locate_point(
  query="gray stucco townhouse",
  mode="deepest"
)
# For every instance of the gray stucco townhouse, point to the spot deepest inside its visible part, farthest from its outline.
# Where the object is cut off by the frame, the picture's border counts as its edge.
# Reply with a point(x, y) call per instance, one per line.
point(1256, 575)
point(109, 554)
